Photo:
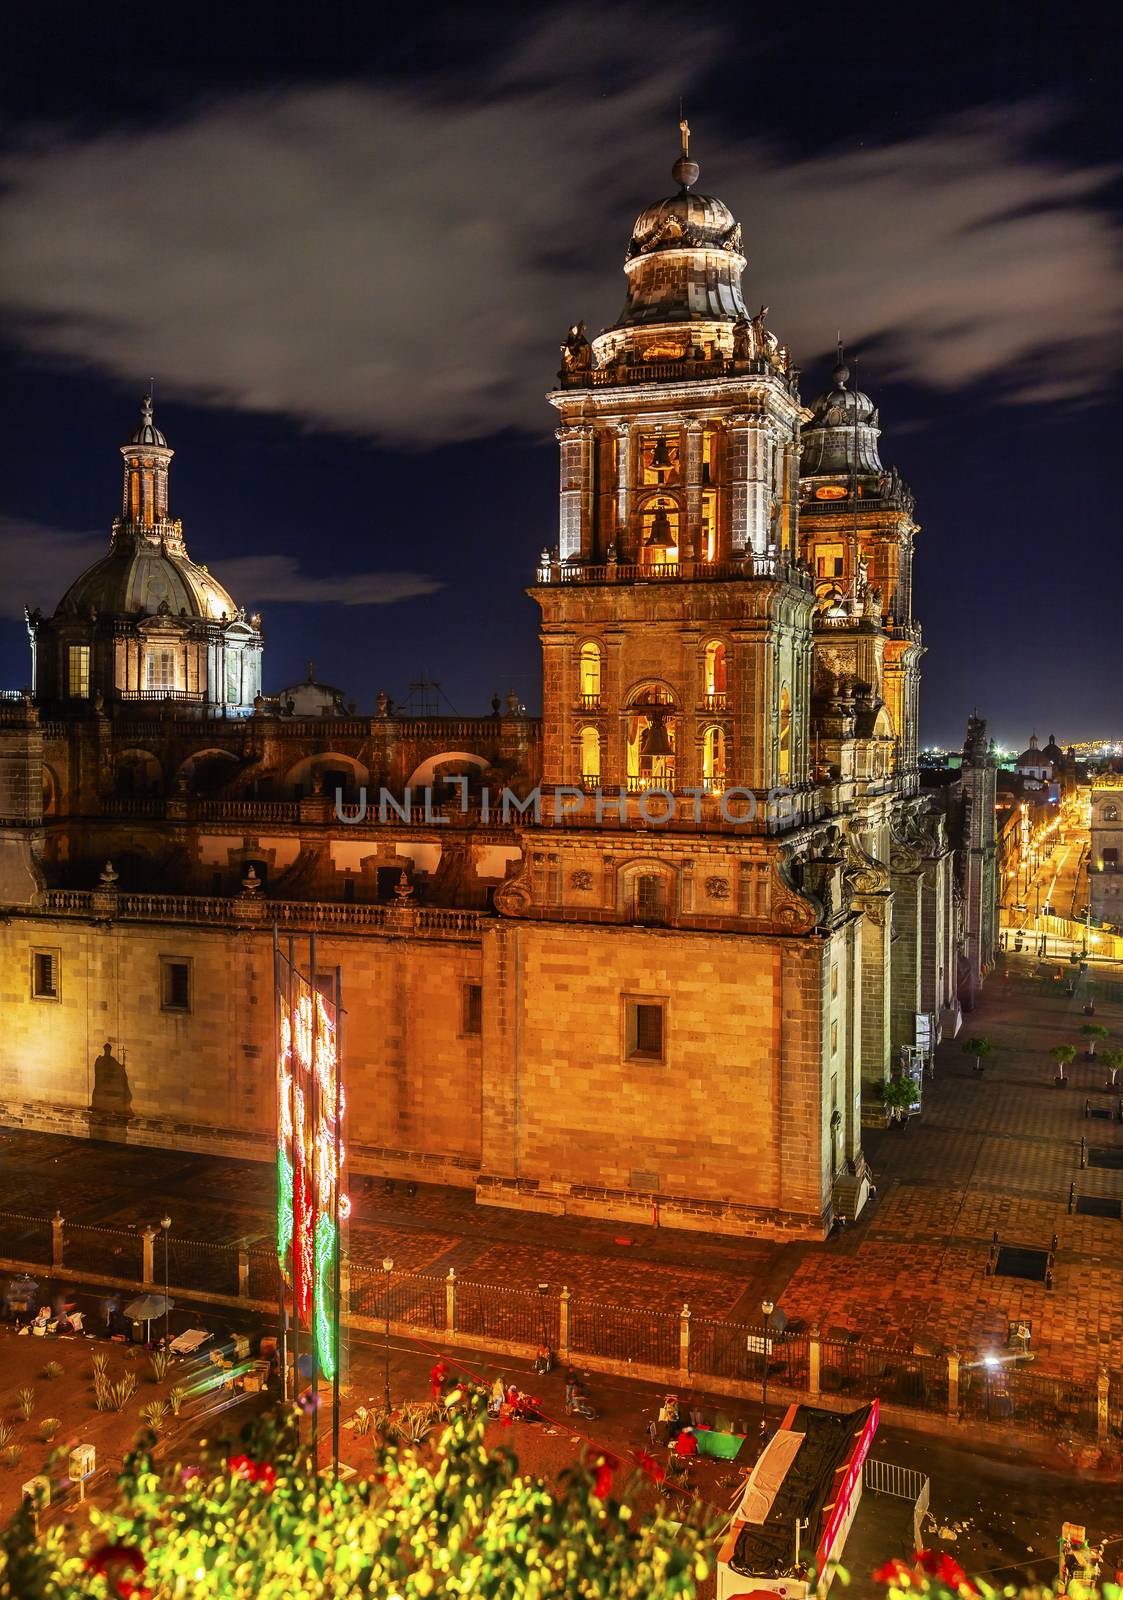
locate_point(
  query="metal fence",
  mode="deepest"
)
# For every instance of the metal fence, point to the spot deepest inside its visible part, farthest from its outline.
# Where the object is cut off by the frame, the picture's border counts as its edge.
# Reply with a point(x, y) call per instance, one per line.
point(24, 1238)
point(897, 1376)
point(404, 1296)
point(1030, 1399)
point(117, 1252)
point(520, 1316)
point(736, 1350)
point(625, 1333)
point(210, 1267)
point(263, 1276)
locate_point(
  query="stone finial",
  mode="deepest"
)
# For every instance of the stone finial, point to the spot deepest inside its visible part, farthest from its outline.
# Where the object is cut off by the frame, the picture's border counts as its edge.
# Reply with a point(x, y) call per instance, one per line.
point(382, 702)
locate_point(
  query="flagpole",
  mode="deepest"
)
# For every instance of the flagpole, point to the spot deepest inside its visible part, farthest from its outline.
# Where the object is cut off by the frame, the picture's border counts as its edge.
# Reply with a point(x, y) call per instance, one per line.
point(281, 1329)
point(313, 1347)
point(337, 1219)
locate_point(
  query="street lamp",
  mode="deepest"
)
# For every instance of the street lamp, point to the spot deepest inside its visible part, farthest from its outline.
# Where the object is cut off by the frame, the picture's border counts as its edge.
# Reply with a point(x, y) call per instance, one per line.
point(166, 1223)
point(767, 1307)
point(387, 1267)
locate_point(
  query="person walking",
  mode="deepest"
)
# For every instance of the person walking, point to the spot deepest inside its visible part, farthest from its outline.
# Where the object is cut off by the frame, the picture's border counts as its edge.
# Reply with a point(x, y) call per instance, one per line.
point(438, 1372)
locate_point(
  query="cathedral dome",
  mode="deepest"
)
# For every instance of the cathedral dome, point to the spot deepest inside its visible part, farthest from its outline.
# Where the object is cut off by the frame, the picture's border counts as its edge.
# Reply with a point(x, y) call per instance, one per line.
point(146, 431)
point(840, 437)
point(685, 221)
point(140, 577)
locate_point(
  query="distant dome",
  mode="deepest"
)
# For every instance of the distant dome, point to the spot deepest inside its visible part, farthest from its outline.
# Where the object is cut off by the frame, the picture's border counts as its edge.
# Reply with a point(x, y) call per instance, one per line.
point(841, 435)
point(147, 432)
point(141, 577)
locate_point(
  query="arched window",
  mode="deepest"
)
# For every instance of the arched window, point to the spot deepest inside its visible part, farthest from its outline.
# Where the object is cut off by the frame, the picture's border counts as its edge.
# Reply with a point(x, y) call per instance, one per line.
point(590, 673)
point(784, 767)
point(660, 519)
point(1111, 813)
point(713, 757)
point(715, 671)
point(651, 741)
point(590, 757)
point(651, 898)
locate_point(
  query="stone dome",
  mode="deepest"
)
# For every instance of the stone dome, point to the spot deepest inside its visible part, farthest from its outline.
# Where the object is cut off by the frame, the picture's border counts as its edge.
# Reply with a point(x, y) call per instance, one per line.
point(147, 432)
point(140, 577)
point(685, 221)
point(840, 419)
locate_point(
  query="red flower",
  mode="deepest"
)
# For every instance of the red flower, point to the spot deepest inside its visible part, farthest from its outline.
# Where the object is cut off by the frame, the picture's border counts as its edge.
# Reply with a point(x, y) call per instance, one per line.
point(602, 1476)
point(111, 1556)
point(938, 1564)
point(649, 1466)
point(253, 1471)
point(894, 1572)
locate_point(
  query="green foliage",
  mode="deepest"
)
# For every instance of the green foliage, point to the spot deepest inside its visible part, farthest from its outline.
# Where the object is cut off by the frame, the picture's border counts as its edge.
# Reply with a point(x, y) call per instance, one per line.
point(26, 1401)
point(155, 1414)
point(415, 1421)
point(449, 1517)
point(48, 1428)
point(100, 1363)
point(161, 1361)
point(1094, 1032)
point(11, 1455)
point(1063, 1054)
point(980, 1047)
point(898, 1094)
point(122, 1391)
point(103, 1392)
point(6, 1431)
point(53, 1369)
point(177, 1394)
point(361, 1425)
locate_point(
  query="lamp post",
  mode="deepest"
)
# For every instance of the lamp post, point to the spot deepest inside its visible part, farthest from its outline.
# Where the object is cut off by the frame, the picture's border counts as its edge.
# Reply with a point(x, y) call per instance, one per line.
point(387, 1267)
point(165, 1224)
point(767, 1307)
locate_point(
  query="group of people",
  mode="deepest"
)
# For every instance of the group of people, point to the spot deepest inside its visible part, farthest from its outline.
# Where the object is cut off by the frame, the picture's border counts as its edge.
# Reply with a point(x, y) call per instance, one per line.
point(507, 1404)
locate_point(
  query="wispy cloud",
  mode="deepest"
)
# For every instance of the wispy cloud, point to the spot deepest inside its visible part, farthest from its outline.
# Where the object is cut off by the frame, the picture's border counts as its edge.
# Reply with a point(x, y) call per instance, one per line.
point(36, 562)
point(400, 264)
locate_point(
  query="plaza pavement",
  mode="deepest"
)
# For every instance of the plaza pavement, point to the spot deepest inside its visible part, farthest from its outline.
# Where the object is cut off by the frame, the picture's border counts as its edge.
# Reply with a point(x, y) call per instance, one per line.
point(992, 1151)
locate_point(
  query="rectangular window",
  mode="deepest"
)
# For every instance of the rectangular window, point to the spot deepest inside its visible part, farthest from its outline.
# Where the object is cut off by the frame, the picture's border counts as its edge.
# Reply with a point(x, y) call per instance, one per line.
point(650, 899)
point(159, 668)
point(175, 984)
point(44, 974)
point(834, 1038)
point(78, 671)
point(473, 1008)
point(645, 1030)
point(834, 982)
point(829, 561)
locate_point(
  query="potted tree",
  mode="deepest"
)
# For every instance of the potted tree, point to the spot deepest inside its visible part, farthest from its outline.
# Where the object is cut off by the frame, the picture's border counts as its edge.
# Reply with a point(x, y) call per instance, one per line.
point(1113, 1061)
point(1063, 1055)
point(980, 1048)
point(897, 1095)
point(1094, 1032)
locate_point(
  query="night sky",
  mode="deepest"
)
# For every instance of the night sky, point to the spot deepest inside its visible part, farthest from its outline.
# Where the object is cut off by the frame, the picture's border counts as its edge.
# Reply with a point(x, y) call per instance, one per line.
point(347, 240)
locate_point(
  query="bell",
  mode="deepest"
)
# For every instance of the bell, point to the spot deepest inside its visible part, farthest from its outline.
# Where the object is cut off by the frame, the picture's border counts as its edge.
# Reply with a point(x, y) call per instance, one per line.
point(661, 530)
point(661, 456)
point(655, 740)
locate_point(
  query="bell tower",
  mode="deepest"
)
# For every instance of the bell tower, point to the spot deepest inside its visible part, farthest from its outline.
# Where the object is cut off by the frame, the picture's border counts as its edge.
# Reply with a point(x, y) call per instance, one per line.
point(676, 618)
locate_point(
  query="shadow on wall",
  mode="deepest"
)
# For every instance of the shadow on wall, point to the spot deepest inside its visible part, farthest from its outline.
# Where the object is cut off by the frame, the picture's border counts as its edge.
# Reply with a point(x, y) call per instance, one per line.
point(111, 1104)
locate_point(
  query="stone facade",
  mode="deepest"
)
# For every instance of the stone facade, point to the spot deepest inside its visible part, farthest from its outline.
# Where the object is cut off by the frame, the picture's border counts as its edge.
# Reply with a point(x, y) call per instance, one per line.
point(649, 958)
point(1105, 857)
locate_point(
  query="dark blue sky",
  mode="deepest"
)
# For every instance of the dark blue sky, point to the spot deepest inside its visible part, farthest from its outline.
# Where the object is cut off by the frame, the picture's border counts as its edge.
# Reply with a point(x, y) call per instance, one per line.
point(348, 255)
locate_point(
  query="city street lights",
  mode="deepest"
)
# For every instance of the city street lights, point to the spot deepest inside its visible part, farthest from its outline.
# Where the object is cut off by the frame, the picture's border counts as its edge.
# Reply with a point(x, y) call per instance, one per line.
point(767, 1307)
point(387, 1267)
point(165, 1224)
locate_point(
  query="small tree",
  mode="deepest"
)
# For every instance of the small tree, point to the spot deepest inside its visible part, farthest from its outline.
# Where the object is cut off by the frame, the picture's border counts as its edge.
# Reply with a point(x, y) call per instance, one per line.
point(1094, 1032)
point(980, 1048)
point(1113, 1061)
point(1063, 1055)
point(897, 1095)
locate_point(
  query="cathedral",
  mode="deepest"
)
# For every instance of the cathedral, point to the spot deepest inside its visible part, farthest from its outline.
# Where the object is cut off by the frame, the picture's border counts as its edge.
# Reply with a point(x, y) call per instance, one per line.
point(650, 957)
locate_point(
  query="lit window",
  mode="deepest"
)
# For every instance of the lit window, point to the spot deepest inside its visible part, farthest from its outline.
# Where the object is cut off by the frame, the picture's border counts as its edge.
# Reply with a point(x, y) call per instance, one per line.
point(713, 757)
point(834, 982)
point(590, 755)
point(829, 561)
point(78, 676)
point(715, 667)
point(175, 984)
point(645, 1030)
point(44, 974)
point(473, 1007)
point(590, 671)
point(159, 668)
point(834, 1038)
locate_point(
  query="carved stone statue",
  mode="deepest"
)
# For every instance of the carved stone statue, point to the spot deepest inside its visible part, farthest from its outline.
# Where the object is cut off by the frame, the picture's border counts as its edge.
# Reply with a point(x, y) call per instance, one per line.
point(743, 341)
point(767, 343)
point(576, 351)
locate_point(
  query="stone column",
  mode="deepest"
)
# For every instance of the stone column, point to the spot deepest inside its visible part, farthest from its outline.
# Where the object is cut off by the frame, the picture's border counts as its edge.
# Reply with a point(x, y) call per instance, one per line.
point(814, 1359)
point(876, 978)
point(684, 1345)
point(243, 1273)
point(56, 1240)
point(953, 1383)
point(575, 497)
point(450, 1301)
point(146, 1272)
point(623, 490)
point(690, 547)
point(563, 1324)
point(1103, 1390)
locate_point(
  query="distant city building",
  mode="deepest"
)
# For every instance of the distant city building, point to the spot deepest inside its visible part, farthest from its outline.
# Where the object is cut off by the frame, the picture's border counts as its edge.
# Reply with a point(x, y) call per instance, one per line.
point(671, 985)
point(1105, 856)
